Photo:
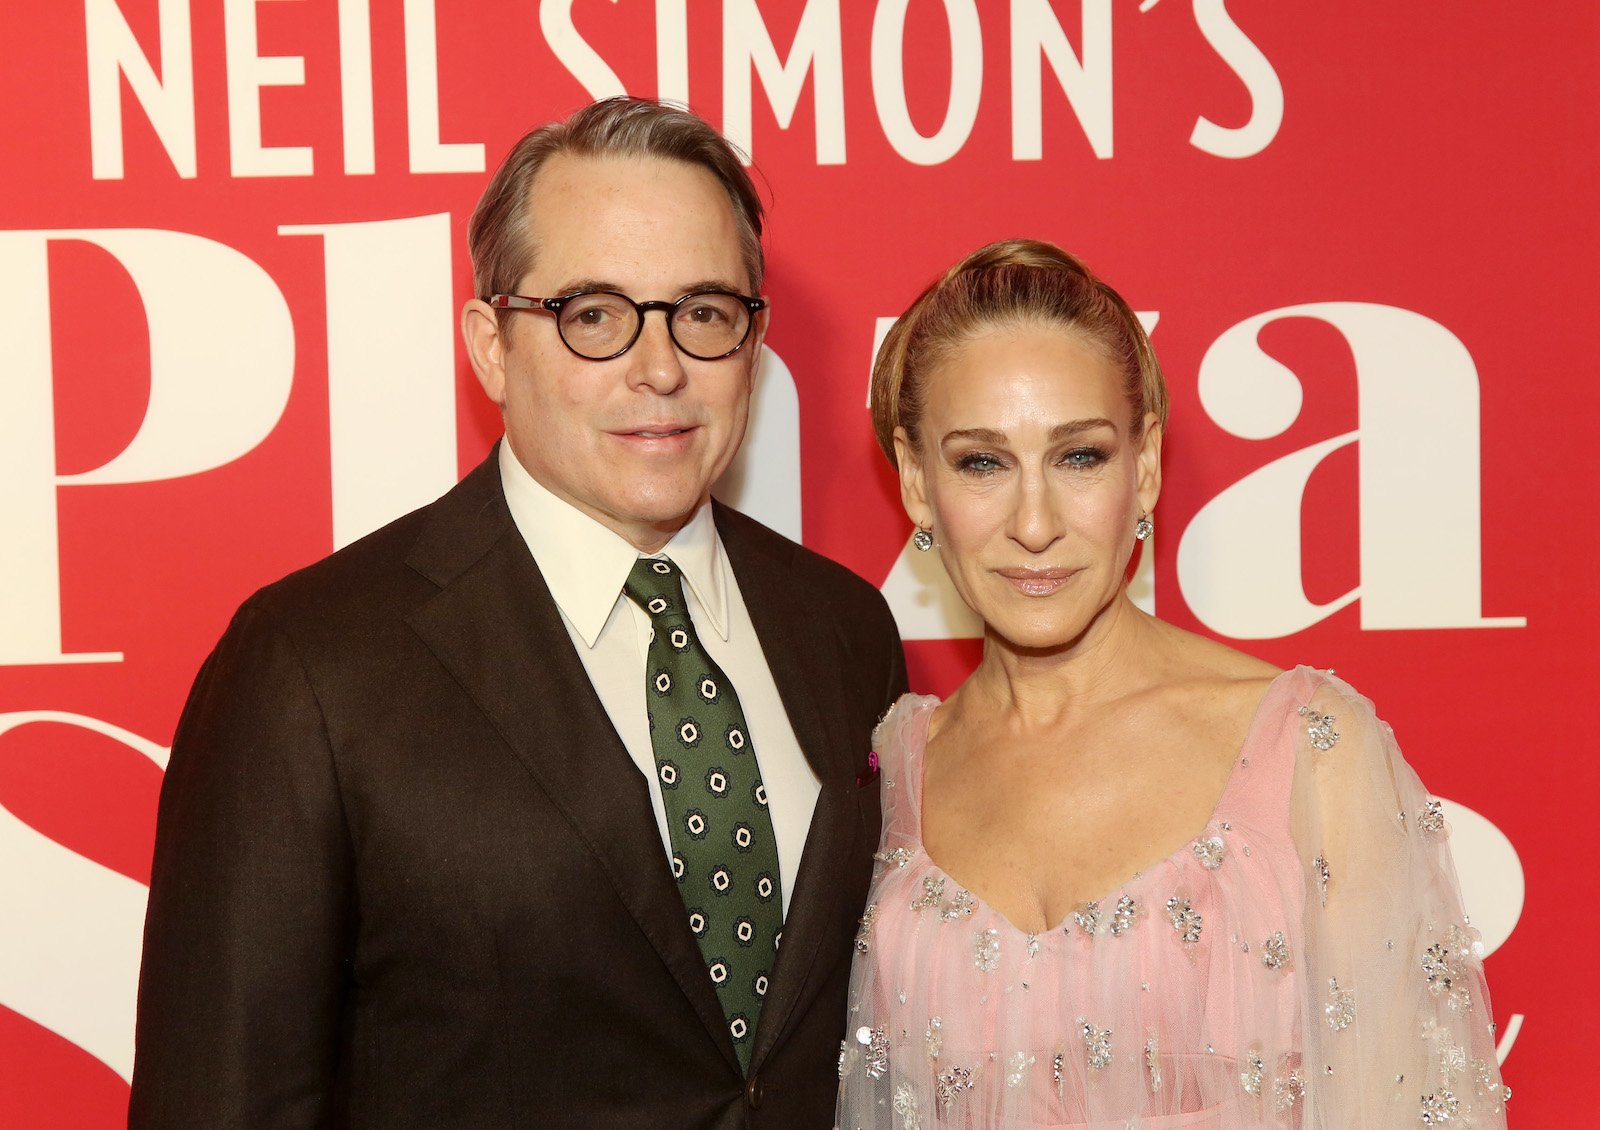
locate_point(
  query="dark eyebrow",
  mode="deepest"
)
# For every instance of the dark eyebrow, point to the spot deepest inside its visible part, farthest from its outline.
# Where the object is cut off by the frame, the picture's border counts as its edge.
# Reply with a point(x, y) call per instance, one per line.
point(1078, 427)
point(573, 286)
point(1058, 433)
point(712, 284)
point(976, 435)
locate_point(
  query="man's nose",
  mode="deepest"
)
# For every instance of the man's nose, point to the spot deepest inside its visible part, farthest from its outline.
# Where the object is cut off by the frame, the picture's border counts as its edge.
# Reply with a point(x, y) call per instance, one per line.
point(656, 361)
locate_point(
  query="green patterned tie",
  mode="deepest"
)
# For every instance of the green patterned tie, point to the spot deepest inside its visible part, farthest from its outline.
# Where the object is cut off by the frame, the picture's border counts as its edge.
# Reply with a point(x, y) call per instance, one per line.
point(724, 852)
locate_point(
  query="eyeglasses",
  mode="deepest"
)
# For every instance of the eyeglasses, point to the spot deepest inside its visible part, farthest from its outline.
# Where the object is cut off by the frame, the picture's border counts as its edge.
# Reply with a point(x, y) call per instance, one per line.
point(601, 324)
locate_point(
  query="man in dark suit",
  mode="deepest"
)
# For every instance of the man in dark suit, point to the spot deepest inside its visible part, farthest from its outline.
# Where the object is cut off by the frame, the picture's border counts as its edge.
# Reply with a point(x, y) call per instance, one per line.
point(548, 804)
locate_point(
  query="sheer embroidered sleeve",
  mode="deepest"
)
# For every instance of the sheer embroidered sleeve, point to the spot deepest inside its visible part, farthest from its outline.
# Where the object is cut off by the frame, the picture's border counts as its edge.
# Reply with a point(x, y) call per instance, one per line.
point(1395, 1020)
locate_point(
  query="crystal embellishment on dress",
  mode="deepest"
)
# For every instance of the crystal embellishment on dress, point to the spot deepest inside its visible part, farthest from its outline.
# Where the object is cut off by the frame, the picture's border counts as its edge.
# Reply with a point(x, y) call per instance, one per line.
point(1017, 1065)
point(1463, 948)
point(1341, 1007)
point(876, 1056)
point(1431, 818)
point(1097, 1046)
point(1319, 729)
point(1209, 852)
point(877, 727)
point(1465, 941)
point(1275, 951)
point(1324, 877)
point(950, 1084)
point(848, 1055)
point(1087, 918)
point(959, 907)
point(1444, 962)
point(1033, 947)
point(905, 1105)
point(986, 950)
point(1486, 1083)
point(1439, 1109)
point(864, 935)
point(1152, 1062)
point(932, 893)
point(1452, 1060)
point(1288, 1089)
point(899, 856)
point(1436, 968)
point(1056, 1065)
point(1186, 920)
point(1122, 917)
point(933, 1038)
point(1255, 1071)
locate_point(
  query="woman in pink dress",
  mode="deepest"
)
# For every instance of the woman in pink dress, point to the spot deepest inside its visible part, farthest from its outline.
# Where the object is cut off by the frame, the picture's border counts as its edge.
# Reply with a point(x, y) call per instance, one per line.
point(1129, 877)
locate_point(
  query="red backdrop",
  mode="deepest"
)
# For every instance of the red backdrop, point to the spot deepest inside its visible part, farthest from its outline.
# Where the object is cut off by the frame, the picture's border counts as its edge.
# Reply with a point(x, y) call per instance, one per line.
point(232, 249)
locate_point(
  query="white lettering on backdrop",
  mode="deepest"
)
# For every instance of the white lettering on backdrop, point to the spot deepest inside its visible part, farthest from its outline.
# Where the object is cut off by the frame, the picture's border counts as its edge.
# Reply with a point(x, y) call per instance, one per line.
point(1085, 77)
point(71, 928)
point(1419, 506)
point(390, 364)
point(818, 49)
point(248, 71)
point(194, 421)
point(1034, 34)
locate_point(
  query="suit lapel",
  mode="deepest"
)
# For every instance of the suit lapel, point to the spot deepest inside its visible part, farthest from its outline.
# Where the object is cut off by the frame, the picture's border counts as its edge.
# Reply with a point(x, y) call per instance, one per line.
point(495, 627)
point(806, 664)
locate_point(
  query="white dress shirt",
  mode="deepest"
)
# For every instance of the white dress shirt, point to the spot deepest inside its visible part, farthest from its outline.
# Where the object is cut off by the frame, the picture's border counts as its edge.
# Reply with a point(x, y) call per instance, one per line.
point(585, 564)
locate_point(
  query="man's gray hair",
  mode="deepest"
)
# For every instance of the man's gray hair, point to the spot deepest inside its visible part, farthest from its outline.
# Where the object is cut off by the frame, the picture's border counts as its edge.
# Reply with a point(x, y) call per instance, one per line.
point(498, 233)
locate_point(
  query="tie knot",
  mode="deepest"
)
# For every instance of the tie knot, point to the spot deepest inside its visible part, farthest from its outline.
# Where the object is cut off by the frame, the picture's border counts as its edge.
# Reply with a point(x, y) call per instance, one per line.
point(656, 586)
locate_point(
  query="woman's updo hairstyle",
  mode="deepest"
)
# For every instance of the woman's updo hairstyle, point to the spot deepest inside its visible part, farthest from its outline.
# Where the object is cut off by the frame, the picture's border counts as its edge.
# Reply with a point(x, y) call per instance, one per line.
point(1011, 283)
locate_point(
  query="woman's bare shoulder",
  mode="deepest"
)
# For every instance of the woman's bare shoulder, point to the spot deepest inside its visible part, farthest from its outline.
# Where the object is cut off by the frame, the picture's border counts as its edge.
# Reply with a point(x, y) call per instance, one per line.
point(1211, 687)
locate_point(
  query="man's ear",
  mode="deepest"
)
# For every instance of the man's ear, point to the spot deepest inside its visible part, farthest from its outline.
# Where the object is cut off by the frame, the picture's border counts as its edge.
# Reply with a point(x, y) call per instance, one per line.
point(486, 348)
point(750, 352)
point(758, 330)
point(913, 488)
point(1149, 464)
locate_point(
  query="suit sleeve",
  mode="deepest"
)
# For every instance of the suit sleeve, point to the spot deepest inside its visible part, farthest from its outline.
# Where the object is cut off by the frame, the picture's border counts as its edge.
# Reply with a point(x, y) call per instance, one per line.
point(899, 683)
point(875, 643)
point(248, 931)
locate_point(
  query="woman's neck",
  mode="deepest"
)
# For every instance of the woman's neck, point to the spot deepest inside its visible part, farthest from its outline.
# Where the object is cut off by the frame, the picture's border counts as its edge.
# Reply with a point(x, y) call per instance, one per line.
point(1036, 688)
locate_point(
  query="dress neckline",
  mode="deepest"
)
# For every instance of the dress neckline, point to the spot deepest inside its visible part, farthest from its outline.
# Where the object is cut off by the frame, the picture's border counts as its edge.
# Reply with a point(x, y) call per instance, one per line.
point(930, 703)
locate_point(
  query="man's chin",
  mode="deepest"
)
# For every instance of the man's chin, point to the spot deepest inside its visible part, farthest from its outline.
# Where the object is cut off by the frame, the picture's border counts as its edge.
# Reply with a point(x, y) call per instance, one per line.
point(665, 511)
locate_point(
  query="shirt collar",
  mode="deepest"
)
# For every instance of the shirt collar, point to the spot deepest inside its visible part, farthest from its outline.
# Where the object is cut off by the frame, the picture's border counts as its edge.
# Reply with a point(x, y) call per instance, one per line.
point(585, 564)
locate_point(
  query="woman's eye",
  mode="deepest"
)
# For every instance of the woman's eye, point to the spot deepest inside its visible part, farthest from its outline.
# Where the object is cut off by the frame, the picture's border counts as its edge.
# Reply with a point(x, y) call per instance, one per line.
point(979, 462)
point(1084, 457)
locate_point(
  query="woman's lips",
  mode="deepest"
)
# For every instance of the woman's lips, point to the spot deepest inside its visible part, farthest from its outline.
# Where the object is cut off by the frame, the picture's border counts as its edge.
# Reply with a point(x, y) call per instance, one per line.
point(1037, 582)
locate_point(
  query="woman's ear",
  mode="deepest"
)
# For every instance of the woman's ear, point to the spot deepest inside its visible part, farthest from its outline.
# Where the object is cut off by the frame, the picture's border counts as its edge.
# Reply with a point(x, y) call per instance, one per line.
point(913, 488)
point(1149, 464)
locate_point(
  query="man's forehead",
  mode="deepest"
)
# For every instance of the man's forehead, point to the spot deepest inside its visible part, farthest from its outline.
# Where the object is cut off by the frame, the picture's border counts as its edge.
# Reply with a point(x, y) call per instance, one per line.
point(619, 216)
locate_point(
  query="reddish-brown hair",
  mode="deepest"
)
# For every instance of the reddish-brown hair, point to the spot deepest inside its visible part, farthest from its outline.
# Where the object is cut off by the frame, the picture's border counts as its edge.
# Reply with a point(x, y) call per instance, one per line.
point(1015, 281)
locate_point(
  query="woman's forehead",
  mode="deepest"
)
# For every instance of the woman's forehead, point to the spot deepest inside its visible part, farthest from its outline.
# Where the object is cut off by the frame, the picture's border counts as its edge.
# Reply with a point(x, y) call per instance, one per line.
point(1030, 374)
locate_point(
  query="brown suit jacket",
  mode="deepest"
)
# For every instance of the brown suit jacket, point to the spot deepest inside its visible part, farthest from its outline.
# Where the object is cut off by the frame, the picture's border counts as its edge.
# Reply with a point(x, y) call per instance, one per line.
point(406, 873)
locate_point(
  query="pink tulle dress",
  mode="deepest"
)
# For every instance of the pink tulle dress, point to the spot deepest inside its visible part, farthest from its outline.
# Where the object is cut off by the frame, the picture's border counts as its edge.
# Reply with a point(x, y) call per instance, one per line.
point(1302, 962)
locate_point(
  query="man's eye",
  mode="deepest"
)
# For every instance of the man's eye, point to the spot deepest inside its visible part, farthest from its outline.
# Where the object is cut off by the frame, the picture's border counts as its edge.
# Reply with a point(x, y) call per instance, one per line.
point(594, 311)
point(706, 315)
